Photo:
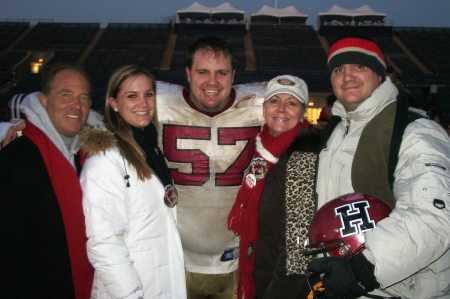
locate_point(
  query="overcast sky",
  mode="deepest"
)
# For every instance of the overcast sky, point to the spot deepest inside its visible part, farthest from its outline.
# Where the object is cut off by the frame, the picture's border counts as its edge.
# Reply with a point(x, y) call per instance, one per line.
point(422, 13)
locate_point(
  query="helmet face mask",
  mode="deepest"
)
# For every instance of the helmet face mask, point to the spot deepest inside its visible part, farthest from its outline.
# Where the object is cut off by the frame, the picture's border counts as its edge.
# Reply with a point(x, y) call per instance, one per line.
point(328, 247)
point(338, 228)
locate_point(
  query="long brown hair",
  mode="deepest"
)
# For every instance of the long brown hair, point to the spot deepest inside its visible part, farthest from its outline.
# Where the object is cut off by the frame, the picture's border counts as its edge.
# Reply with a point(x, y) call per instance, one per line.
point(122, 131)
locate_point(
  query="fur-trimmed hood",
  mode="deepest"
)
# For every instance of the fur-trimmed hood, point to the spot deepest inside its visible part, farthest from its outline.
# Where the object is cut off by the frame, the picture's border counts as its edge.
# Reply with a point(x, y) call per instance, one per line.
point(95, 141)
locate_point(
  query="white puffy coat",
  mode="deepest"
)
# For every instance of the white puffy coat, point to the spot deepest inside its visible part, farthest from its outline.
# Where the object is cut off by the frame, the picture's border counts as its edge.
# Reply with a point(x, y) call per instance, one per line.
point(133, 241)
point(410, 248)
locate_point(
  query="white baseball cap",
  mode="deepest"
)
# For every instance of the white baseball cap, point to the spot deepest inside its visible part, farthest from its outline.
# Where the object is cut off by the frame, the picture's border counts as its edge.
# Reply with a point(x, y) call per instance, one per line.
point(288, 84)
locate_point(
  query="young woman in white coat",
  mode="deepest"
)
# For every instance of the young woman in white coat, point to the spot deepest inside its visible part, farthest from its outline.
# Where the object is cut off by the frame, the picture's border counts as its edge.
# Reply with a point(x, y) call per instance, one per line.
point(129, 198)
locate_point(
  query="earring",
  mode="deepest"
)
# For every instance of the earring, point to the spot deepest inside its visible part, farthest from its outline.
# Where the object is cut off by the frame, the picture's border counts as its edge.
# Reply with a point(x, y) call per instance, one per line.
point(115, 109)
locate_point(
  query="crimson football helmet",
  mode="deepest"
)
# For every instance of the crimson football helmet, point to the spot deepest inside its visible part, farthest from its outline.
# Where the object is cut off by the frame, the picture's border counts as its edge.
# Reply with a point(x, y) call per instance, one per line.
point(338, 227)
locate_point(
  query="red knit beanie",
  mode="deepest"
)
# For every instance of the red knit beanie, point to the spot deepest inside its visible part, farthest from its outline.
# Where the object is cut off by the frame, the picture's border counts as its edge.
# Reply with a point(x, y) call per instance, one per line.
point(356, 47)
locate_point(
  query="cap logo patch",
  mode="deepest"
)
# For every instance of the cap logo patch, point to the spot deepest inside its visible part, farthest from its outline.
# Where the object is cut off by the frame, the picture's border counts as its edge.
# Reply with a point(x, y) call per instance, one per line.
point(285, 81)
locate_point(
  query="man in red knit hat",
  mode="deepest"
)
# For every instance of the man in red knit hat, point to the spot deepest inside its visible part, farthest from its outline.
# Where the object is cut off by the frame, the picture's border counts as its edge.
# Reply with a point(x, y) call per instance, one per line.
point(374, 145)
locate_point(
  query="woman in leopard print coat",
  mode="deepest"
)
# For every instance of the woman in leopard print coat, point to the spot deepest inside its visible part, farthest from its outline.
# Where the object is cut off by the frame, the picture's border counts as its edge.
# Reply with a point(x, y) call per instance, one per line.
point(276, 201)
point(285, 210)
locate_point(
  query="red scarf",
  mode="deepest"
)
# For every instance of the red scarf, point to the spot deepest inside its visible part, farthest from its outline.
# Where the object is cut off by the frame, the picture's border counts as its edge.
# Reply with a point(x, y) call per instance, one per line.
point(243, 218)
point(67, 189)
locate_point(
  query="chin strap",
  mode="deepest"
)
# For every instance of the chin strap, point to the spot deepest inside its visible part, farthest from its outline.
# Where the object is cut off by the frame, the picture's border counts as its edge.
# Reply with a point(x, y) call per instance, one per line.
point(315, 285)
point(316, 290)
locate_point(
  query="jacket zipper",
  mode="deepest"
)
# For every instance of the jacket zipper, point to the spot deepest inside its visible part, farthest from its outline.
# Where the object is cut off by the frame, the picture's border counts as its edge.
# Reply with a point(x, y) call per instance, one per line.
point(347, 126)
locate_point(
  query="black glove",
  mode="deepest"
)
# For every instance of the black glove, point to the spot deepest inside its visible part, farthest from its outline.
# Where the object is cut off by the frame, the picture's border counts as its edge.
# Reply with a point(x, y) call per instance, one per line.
point(345, 277)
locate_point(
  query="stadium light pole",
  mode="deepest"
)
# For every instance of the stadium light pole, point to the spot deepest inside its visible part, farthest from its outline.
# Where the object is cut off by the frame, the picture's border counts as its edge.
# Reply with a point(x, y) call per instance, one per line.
point(276, 3)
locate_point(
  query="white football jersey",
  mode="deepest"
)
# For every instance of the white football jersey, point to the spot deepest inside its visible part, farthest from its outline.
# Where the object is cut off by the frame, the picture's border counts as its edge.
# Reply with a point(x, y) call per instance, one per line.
point(208, 157)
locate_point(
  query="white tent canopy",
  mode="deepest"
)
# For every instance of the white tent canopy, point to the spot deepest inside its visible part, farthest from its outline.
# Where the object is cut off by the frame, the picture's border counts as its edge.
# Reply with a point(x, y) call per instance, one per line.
point(197, 11)
point(226, 11)
point(195, 7)
point(361, 11)
point(226, 7)
point(289, 11)
point(361, 14)
point(266, 13)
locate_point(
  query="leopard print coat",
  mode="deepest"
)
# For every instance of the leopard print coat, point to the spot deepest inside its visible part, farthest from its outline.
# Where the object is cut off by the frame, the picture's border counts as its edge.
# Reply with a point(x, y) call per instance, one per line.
point(300, 207)
point(286, 208)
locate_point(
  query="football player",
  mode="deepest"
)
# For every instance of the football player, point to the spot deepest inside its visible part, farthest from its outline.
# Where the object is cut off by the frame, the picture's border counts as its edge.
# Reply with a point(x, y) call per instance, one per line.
point(208, 135)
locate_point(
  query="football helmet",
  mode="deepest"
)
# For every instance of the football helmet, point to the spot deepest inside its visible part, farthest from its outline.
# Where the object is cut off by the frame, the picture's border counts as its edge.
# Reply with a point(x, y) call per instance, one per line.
point(339, 227)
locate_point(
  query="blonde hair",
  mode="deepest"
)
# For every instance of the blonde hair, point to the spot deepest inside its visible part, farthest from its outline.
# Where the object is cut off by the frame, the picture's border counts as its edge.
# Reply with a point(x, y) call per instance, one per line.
point(115, 123)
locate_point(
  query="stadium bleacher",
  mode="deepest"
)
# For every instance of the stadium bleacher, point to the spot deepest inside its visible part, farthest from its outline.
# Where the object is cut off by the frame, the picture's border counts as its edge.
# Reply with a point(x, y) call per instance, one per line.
point(66, 40)
point(296, 47)
point(9, 31)
point(429, 44)
point(416, 55)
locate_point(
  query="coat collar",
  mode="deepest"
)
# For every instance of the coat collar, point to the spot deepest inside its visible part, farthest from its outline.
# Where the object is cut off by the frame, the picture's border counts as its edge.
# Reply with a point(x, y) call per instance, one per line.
point(95, 141)
point(382, 96)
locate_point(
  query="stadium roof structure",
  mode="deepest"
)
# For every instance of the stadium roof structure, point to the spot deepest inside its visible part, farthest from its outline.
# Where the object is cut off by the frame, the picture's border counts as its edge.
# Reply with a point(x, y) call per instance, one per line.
point(361, 14)
point(226, 11)
point(270, 15)
point(197, 11)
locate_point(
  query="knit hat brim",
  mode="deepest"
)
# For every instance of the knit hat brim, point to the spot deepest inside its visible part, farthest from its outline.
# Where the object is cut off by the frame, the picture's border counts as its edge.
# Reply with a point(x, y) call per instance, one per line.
point(357, 50)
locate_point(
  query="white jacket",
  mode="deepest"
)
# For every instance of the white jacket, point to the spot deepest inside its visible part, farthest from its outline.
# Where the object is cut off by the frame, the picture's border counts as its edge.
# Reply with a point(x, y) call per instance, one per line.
point(410, 248)
point(133, 241)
